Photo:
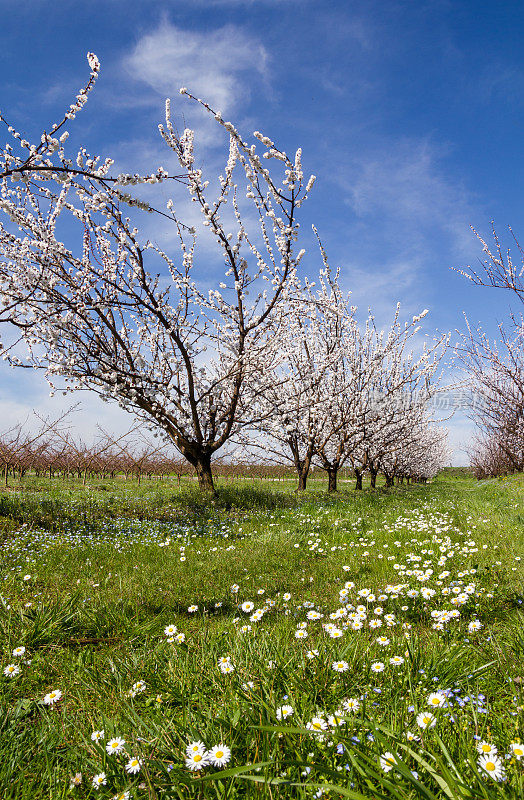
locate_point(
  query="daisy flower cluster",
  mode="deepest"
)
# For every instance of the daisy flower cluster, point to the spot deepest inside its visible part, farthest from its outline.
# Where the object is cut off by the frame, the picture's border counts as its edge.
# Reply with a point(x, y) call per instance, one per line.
point(198, 756)
point(432, 588)
point(115, 748)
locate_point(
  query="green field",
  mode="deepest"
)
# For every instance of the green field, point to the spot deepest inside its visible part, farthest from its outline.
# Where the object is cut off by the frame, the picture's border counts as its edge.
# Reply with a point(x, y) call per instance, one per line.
point(364, 613)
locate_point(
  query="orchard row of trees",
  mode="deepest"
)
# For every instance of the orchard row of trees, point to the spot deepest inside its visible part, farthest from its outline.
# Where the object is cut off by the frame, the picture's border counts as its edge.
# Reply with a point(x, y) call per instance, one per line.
point(52, 451)
point(265, 360)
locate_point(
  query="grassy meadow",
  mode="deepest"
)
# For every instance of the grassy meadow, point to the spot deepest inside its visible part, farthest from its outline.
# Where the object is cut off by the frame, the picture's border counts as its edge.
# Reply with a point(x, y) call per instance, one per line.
point(158, 644)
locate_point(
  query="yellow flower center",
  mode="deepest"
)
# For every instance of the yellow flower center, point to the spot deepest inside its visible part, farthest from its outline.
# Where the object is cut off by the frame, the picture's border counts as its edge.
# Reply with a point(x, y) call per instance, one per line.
point(198, 758)
point(490, 766)
point(486, 748)
point(219, 754)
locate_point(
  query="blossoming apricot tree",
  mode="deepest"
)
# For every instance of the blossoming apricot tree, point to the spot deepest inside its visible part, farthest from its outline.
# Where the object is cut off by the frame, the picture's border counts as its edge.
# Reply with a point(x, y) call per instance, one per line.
point(101, 307)
point(495, 370)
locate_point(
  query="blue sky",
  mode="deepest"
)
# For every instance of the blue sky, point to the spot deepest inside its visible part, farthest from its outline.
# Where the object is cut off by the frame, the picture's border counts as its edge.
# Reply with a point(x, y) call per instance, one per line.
point(410, 114)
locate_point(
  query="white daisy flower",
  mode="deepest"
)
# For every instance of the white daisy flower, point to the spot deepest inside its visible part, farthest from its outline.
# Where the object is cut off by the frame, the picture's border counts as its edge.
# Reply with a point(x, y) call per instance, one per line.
point(387, 761)
point(125, 795)
point(97, 735)
point(133, 766)
point(11, 671)
point(196, 761)
point(396, 661)
point(53, 697)
point(492, 765)
point(314, 614)
point(317, 724)
point(219, 755)
point(283, 712)
point(351, 705)
point(486, 749)
point(426, 720)
point(196, 747)
point(99, 780)
point(115, 745)
point(437, 699)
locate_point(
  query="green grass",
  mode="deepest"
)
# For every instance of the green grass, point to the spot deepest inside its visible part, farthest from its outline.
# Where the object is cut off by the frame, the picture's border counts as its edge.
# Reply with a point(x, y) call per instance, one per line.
point(91, 577)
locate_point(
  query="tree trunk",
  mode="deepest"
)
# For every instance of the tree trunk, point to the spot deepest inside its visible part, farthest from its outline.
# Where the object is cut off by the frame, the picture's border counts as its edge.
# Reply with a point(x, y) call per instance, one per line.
point(358, 476)
point(205, 476)
point(302, 479)
point(332, 479)
point(373, 476)
point(390, 480)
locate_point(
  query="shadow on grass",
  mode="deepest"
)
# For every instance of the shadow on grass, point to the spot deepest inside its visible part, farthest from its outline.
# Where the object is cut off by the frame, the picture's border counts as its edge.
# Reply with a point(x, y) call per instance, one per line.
point(77, 508)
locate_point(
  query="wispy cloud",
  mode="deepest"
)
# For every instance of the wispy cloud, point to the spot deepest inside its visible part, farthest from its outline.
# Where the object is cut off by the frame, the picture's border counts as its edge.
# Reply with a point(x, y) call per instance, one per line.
point(218, 65)
point(501, 84)
point(406, 218)
point(404, 183)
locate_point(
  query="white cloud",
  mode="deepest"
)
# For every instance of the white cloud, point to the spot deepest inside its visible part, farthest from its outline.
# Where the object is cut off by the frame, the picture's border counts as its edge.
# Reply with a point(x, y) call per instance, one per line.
point(218, 65)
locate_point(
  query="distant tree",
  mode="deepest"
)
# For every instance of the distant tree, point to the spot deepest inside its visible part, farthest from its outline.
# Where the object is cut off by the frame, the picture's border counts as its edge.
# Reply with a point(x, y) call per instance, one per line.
point(295, 419)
